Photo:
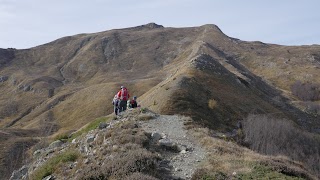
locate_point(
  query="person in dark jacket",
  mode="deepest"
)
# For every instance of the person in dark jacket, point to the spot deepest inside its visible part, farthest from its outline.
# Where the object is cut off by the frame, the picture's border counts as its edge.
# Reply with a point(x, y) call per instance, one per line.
point(133, 102)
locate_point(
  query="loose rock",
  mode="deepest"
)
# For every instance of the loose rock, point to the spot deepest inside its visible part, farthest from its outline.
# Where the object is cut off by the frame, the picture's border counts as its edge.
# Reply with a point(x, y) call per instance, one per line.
point(56, 144)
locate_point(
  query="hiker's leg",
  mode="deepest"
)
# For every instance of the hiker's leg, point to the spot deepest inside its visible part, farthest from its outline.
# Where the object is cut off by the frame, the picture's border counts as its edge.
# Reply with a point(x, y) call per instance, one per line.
point(125, 106)
point(122, 106)
point(115, 110)
point(119, 108)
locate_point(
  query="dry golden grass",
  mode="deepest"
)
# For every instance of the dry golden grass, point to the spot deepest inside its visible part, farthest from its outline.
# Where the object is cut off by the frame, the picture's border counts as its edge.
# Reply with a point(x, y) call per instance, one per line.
point(145, 117)
point(212, 103)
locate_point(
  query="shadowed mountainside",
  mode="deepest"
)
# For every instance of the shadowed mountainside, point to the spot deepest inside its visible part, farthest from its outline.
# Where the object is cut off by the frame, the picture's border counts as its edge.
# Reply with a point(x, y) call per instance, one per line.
point(199, 72)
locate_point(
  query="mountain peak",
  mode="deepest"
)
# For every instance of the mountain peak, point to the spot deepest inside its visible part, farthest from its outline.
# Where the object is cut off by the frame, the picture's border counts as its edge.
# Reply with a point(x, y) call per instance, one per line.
point(152, 25)
point(212, 26)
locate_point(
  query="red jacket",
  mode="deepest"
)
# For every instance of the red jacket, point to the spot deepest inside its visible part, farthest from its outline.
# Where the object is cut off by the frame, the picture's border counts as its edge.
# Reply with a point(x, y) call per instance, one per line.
point(123, 94)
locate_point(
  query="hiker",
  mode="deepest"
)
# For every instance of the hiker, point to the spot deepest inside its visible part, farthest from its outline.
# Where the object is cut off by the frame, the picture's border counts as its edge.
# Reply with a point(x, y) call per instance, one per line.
point(133, 102)
point(115, 103)
point(123, 96)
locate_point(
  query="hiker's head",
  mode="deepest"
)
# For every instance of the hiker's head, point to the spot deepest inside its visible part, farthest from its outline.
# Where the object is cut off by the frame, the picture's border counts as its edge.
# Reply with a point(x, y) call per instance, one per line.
point(134, 97)
point(121, 87)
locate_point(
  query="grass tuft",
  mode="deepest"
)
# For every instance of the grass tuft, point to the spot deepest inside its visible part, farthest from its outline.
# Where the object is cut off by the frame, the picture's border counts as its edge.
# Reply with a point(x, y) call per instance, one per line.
point(62, 137)
point(53, 163)
point(93, 125)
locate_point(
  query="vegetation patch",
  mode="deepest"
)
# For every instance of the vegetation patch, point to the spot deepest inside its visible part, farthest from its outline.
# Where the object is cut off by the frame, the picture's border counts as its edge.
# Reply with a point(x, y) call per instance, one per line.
point(53, 163)
point(273, 136)
point(124, 157)
point(93, 125)
point(62, 137)
point(145, 117)
point(265, 172)
point(227, 160)
point(306, 91)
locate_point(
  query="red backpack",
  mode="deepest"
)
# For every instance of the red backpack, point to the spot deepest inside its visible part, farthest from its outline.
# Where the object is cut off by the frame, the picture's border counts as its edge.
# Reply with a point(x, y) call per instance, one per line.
point(124, 94)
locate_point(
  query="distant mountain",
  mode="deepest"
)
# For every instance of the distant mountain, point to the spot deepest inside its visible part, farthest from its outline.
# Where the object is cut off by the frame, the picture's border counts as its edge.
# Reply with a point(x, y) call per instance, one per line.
point(199, 71)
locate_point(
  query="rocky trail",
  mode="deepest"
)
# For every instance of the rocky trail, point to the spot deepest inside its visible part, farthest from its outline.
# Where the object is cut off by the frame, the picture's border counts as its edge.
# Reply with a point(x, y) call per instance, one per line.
point(183, 162)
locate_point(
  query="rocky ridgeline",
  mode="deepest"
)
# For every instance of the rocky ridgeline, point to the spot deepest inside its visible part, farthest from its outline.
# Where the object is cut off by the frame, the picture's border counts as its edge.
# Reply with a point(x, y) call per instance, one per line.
point(177, 152)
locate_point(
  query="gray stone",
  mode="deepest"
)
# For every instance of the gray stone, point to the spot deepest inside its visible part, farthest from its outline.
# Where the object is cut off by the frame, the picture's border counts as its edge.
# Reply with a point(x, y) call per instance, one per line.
point(16, 175)
point(56, 144)
point(26, 88)
point(177, 169)
point(156, 136)
point(115, 147)
point(183, 152)
point(90, 139)
point(37, 152)
point(23, 171)
point(86, 161)
point(82, 149)
point(183, 148)
point(3, 78)
point(74, 141)
point(103, 125)
point(166, 143)
point(50, 177)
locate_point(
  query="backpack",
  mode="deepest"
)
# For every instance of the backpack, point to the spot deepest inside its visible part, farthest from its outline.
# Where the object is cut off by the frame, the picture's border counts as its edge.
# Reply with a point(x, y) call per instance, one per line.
point(115, 102)
point(124, 94)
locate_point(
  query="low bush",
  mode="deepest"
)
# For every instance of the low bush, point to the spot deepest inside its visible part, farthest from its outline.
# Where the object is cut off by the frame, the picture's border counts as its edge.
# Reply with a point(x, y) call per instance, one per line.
point(312, 108)
point(306, 91)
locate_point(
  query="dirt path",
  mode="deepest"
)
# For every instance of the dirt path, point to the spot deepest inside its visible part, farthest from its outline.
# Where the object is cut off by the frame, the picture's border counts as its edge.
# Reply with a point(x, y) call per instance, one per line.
point(181, 164)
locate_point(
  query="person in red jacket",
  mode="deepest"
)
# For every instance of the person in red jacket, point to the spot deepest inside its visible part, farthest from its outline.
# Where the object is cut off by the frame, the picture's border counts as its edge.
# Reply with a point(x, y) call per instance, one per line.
point(123, 96)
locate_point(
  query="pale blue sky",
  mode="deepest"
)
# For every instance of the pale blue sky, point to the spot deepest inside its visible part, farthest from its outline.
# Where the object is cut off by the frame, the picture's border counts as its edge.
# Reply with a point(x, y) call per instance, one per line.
point(28, 23)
